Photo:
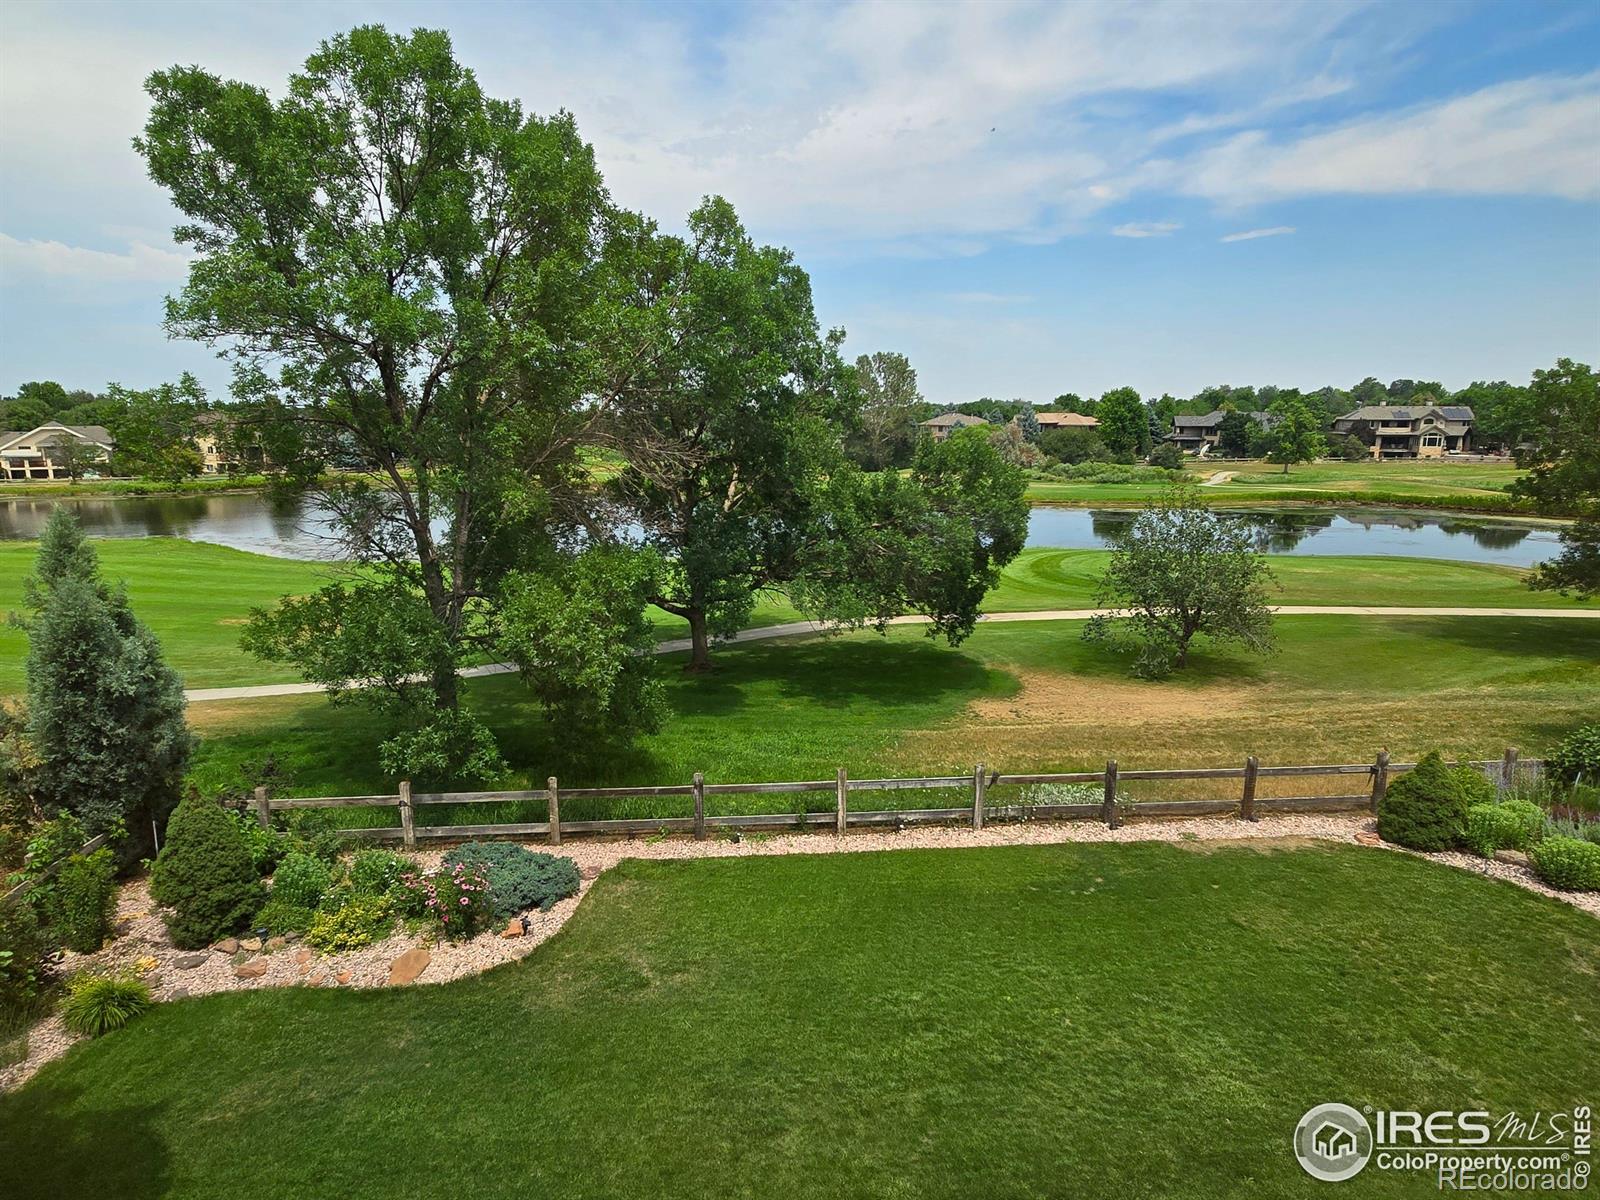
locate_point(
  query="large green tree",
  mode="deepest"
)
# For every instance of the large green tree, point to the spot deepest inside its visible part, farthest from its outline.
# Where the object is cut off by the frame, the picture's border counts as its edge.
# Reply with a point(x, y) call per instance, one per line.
point(406, 273)
point(1124, 424)
point(732, 438)
point(155, 428)
point(1294, 434)
point(933, 540)
point(105, 712)
point(1562, 458)
point(730, 430)
point(887, 426)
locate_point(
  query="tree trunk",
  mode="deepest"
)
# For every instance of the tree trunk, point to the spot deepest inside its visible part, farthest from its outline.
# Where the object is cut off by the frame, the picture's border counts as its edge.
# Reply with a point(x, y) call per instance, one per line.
point(1285, 468)
point(699, 644)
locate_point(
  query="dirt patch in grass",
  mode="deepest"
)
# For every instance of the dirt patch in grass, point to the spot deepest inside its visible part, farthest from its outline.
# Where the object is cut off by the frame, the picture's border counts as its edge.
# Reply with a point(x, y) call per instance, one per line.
point(1048, 697)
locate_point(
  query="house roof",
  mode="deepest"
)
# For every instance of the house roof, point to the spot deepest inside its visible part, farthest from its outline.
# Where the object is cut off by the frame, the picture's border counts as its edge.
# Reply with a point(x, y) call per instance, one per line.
point(949, 420)
point(1214, 418)
point(1408, 412)
point(1065, 420)
point(98, 434)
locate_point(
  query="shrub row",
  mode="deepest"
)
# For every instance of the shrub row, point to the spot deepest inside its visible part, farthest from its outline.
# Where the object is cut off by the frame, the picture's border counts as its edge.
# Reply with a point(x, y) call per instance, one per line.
point(1438, 807)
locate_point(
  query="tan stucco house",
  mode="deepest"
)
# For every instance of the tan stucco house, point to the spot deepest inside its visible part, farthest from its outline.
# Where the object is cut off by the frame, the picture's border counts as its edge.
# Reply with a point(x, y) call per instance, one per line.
point(1410, 430)
point(1065, 420)
point(43, 453)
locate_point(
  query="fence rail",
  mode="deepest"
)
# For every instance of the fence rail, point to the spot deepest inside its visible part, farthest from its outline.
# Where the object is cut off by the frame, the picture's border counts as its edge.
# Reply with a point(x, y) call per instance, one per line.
point(27, 885)
point(1247, 806)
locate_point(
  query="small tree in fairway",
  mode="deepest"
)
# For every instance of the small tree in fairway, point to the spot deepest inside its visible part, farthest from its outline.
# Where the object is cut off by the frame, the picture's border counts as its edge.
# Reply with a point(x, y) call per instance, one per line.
point(1296, 435)
point(1181, 570)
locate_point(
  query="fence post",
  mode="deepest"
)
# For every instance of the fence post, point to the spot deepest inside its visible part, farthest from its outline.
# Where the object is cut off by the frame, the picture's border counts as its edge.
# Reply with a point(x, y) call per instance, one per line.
point(553, 809)
point(1108, 810)
point(841, 815)
point(699, 807)
point(979, 786)
point(1508, 769)
point(1380, 779)
point(408, 820)
point(263, 809)
point(1247, 802)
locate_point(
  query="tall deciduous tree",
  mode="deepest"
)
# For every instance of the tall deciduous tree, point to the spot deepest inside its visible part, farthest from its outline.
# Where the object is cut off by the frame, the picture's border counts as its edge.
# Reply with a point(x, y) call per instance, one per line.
point(890, 402)
point(732, 437)
point(1182, 571)
point(1234, 433)
point(105, 712)
point(1295, 433)
point(1124, 424)
point(406, 273)
point(155, 429)
point(1562, 459)
point(729, 434)
point(932, 541)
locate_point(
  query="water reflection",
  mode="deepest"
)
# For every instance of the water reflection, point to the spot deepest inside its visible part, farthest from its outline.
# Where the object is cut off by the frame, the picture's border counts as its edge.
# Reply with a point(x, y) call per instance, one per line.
point(1322, 531)
point(296, 528)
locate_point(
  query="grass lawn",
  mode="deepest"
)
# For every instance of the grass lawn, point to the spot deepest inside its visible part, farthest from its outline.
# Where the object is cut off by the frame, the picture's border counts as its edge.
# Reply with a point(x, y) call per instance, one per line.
point(196, 596)
point(1096, 1020)
point(1430, 482)
point(1018, 696)
point(1041, 579)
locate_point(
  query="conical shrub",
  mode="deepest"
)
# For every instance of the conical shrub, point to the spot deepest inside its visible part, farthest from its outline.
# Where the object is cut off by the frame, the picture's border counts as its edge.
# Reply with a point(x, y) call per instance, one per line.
point(204, 875)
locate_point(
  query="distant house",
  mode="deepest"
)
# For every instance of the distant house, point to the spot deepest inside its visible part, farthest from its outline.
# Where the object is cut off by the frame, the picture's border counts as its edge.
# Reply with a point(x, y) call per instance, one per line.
point(1410, 430)
point(1065, 420)
point(945, 423)
point(54, 451)
point(220, 454)
point(1198, 434)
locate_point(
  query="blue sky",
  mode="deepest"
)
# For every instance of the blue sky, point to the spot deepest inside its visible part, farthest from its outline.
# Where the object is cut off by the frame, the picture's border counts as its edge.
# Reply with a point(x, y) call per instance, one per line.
point(1026, 199)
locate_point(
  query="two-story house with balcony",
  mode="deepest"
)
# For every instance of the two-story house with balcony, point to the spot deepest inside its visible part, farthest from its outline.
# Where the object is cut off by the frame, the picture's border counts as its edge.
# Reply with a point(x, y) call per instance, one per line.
point(1410, 430)
point(55, 451)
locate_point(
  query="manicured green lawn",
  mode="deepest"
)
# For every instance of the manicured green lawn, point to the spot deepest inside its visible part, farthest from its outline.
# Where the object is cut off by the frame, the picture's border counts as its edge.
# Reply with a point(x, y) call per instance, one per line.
point(1018, 696)
point(1356, 483)
point(1041, 579)
point(196, 596)
point(1099, 1020)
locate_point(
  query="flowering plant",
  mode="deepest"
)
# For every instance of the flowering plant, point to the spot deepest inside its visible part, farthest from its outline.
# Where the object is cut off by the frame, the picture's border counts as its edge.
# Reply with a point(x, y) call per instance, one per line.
point(455, 898)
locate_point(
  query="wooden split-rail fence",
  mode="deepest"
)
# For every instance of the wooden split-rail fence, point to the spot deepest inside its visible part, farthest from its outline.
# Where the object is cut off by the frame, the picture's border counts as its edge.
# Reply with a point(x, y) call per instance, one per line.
point(27, 885)
point(1109, 809)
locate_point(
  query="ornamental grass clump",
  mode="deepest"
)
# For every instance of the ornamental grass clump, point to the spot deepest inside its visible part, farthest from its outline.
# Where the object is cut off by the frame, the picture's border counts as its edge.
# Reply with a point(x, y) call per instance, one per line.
point(455, 898)
point(97, 1004)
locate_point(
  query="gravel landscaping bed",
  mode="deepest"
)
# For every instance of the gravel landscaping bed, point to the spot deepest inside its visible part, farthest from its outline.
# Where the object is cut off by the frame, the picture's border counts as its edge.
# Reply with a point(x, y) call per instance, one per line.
point(140, 945)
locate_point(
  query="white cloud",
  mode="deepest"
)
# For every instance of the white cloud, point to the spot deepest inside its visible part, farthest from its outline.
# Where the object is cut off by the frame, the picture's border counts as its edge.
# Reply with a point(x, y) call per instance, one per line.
point(1536, 136)
point(1146, 229)
point(57, 260)
point(1250, 235)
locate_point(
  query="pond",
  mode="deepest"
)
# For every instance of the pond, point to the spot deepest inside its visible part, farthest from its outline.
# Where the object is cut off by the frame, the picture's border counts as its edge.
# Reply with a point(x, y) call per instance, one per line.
point(292, 528)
